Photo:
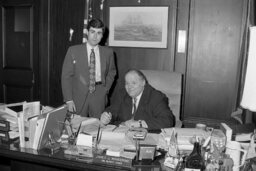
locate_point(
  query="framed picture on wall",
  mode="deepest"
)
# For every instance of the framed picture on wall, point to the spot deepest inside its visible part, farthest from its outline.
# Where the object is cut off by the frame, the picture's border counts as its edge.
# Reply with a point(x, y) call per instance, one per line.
point(145, 27)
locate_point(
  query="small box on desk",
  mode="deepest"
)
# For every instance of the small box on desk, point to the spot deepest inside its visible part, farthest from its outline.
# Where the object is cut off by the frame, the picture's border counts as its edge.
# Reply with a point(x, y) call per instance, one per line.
point(147, 152)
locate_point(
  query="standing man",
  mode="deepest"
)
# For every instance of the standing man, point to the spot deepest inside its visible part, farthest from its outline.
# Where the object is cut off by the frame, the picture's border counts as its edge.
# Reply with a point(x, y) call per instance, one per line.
point(88, 72)
point(139, 105)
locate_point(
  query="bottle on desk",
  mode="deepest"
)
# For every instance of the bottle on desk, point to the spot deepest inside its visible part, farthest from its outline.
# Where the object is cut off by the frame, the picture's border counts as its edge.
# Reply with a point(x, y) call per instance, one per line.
point(181, 164)
point(195, 160)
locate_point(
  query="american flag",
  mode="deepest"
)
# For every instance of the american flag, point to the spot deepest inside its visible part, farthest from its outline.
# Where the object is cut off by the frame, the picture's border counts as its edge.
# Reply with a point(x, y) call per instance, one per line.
point(87, 18)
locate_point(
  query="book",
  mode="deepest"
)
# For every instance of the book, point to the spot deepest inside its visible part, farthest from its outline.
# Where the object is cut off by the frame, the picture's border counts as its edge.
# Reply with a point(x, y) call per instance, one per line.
point(8, 135)
point(8, 115)
point(31, 109)
point(32, 123)
point(21, 129)
point(4, 125)
point(4, 136)
point(38, 132)
point(52, 127)
point(112, 160)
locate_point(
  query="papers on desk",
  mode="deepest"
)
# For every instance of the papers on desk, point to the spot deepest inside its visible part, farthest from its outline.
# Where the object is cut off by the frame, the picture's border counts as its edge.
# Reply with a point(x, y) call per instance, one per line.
point(84, 140)
point(31, 109)
point(243, 137)
point(114, 141)
point(8, 115)
point(8, 124)
point(77, 120)
point(90, 126)
point(184, 136)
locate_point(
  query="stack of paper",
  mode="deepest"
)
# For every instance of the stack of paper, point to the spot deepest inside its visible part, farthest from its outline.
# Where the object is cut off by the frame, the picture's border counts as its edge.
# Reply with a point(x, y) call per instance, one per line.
point(9, 116)
point(8, 124)
point(184, 136)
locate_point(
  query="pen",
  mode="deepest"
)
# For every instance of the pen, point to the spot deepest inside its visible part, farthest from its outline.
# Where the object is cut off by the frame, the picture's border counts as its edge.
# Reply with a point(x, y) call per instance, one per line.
point(78, 129)
point(97, 138)
point(115, 128)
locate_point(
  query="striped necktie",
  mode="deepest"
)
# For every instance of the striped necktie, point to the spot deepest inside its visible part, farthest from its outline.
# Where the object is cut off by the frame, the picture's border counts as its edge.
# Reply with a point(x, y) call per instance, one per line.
point(134, 105)
point(92, 72)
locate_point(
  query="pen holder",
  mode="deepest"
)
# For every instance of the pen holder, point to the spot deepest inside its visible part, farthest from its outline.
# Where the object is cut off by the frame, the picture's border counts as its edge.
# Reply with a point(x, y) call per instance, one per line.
point(72, 140)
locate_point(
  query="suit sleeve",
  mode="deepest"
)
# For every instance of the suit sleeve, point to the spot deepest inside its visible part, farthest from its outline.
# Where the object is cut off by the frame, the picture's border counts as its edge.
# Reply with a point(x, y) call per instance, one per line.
point(115, 107)
point(111, 71)
point(67, 75)
point(162, 114)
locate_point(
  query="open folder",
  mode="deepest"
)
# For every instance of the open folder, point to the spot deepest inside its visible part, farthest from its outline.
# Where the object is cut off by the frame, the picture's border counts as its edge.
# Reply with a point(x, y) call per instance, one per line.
point(49, 127)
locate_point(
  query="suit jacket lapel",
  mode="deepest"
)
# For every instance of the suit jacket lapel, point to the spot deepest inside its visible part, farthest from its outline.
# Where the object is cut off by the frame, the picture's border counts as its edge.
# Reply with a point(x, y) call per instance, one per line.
point(144, 99)
point(128, 101)
point(102, 63)
point(84, 60)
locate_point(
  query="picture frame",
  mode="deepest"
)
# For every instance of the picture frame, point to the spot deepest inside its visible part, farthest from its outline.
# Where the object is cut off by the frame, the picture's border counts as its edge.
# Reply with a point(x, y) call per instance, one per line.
point(145, 27)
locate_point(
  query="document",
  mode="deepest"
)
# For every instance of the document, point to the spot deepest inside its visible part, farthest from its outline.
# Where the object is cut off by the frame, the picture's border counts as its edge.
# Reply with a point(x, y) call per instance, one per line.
point(38, 132)
point(21, 129)
point(8, 115)
point(84, 140)
point(90, 126)
point(31, 109)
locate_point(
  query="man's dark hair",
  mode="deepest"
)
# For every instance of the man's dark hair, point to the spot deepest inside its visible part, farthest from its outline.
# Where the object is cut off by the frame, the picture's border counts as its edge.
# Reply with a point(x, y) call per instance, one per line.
point(96, 23)
point(139, 73)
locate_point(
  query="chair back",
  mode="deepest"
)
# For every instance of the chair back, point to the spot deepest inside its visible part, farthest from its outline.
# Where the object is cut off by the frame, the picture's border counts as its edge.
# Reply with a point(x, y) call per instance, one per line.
point(170, 84)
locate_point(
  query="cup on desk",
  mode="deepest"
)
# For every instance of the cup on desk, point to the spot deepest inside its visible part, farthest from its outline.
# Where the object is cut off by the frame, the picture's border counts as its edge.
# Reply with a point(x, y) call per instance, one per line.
point(234, 150)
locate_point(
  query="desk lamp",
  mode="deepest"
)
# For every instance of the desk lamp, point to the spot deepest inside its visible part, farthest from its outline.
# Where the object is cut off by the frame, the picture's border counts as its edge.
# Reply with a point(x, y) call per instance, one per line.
point(249, 92)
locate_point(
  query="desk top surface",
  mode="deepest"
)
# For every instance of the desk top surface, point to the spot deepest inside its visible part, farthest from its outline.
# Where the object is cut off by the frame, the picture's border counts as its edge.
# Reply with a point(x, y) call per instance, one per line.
point(57, 158)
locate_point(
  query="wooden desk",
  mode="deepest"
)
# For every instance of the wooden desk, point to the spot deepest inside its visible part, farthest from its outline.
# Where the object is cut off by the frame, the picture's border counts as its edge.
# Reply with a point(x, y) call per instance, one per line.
point(15, 159)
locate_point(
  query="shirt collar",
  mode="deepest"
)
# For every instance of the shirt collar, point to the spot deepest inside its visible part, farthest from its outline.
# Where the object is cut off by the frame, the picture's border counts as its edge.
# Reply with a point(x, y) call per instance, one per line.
point(89, 47)
point(139, 96)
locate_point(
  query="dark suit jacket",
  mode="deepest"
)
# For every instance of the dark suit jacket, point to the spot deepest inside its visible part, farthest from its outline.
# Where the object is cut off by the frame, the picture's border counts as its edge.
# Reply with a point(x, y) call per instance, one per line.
point(153, 109)
point(75, 73)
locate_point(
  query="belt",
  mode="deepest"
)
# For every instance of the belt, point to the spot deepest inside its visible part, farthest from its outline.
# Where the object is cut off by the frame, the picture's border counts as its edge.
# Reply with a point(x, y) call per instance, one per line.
point(98, 83)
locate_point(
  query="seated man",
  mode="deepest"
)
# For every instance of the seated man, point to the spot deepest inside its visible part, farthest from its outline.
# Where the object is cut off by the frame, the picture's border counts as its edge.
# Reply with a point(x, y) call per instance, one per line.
point(139, 106)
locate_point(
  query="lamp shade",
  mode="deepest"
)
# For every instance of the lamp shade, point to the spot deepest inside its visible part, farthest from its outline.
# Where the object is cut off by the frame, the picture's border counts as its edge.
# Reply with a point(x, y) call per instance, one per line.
point(249, 93)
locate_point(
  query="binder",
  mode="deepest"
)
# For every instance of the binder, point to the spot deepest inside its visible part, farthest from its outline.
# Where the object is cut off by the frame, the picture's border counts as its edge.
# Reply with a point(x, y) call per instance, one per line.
point(4, 125)
point(32, 130)
point(38, 131)
point(4, 136)
point(49, 126)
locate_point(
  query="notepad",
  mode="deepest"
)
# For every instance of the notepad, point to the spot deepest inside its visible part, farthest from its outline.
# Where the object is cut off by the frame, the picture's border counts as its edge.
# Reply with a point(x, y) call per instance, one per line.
point(114, 151)
point(84, 140)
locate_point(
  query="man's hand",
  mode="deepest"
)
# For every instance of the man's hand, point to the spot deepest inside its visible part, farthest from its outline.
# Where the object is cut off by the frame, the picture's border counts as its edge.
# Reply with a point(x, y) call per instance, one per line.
point(105, 118)
point(131, 123)
point(71, 106)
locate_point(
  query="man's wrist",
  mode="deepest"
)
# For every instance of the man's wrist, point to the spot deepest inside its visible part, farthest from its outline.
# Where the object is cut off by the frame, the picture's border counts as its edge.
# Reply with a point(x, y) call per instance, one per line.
point(69, 101)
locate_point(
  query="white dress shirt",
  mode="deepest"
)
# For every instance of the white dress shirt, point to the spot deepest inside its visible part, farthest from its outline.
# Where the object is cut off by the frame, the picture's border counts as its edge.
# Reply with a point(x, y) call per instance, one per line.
point(97, 61)
point(137, 102)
